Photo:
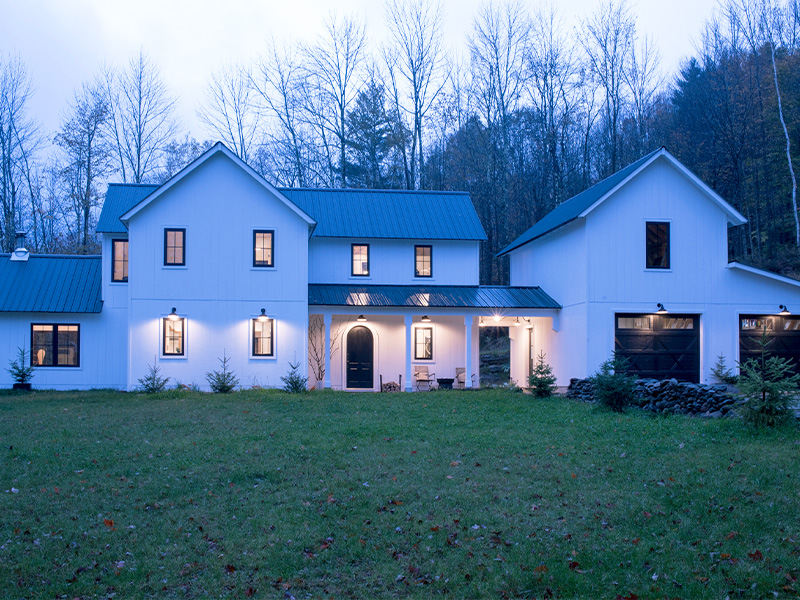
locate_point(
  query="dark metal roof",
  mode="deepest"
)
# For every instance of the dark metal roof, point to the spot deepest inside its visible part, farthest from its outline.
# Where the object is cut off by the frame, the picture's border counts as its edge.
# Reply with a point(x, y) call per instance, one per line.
point(571, 209)
point(433, 296)
point(397, 214)
point(120, 198)
point(55, 284)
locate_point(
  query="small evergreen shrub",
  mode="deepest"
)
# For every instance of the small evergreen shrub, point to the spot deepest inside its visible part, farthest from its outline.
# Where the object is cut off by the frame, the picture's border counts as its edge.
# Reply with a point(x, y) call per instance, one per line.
point(722, 372)
point(223, 381)
point(293, 382)
point(542, 382)
point(768, 385)
point(613, 387)
point(20, 369)
point(153, 382)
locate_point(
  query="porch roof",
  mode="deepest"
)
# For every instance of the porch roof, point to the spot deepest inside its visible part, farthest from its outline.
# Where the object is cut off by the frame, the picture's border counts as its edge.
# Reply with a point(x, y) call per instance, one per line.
point(431, 296)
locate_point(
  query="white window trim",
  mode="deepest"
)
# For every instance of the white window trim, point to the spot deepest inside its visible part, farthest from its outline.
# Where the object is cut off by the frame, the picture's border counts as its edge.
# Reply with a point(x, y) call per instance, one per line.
point(426, 361)
point(274, 231)
point(252, 356)
point(185, 355)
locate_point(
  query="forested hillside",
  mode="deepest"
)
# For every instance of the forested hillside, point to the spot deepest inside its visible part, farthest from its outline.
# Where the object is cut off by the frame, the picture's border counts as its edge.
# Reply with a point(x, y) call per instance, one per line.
point(527, 114)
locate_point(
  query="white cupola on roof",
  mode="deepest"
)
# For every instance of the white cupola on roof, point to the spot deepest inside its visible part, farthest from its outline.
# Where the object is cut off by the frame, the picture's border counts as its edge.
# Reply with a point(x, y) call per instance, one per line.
point(20, 252)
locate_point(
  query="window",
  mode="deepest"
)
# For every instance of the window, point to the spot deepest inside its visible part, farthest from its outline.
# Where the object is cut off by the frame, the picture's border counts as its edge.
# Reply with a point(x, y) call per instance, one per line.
point(751, 324)
point(119, 260)
point(657, 245)
point(262, 248)
point(423, 263)
point(55, 345)
point(634, 322)
point(423, 343)
point(174, 330)
point(263, 337)
point(174, 247)
point(360, 260)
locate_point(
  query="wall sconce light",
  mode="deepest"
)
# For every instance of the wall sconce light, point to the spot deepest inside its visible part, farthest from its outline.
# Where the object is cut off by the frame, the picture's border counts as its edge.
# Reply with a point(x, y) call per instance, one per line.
point(516, 323)
point(661, 310)
point(361, 318)
point(480, 322)
point(173, 316)
point(529, 323)
point(784, 310)
point(263, 316)
point(425, 319)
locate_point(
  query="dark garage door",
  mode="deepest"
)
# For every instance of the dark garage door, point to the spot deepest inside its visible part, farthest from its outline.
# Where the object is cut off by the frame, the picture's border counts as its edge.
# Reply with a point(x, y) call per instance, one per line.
point(783, 337)
point(660, 346)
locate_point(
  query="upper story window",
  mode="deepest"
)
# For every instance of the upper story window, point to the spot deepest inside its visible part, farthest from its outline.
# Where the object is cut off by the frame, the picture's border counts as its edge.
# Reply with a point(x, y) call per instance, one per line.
point(263, 248)
point(119, 260)
point(55, 345)
point(360, 260)
point(263, 337)
point(174, 336)
point(657, 245)
point(423, 261)
point(423, 343)
point(174, 247)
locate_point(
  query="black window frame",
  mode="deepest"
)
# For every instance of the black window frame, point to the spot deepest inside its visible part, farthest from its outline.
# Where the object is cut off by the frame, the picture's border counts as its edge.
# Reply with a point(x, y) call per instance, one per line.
point(352, 261)
point(167, 231)
point(54, 346)
point(418, 247)
point(264, 264)
point(164, 352)
point(417, 331)
point(114, 260)
point(253, 352)
point(651, 249)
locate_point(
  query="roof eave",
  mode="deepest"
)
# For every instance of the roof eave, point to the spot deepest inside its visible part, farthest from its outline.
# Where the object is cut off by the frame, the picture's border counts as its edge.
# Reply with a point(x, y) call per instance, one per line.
point(763, 273)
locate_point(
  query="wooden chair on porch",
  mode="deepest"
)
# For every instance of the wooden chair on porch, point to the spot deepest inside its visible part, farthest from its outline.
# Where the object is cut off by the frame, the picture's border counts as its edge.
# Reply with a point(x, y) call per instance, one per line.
point(460, 382)
point(422, 377)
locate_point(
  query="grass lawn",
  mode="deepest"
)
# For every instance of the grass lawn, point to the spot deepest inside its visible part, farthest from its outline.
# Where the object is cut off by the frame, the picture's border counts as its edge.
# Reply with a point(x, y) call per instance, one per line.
point(466, 495)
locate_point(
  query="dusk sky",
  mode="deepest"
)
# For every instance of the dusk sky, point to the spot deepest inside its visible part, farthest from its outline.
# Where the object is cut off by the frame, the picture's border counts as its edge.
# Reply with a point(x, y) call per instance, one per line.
point(64, 42)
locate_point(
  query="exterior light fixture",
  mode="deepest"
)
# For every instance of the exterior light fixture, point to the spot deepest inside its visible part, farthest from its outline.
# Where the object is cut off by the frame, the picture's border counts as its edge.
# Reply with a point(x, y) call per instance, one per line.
point(784, 310)
point(361, 318)
point(480, 322)
point(529, 324)
point(661, 310)
point(263, 316)
point(425, 319)
point(497, 318)
point(516, 323)
point(173, 316)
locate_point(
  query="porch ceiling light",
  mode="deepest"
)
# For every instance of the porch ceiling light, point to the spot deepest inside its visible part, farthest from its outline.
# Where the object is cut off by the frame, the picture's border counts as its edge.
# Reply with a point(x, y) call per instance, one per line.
point(497, 318)
point(263, 316)
point(361, 318)
point(480, 322)
point(173, 316)
point(516, 323)
point(784, 311)
point(661, 310)
point(425, 319)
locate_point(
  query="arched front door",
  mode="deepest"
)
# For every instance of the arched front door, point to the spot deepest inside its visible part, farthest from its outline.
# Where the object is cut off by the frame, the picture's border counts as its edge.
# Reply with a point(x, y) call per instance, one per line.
point(359, 358)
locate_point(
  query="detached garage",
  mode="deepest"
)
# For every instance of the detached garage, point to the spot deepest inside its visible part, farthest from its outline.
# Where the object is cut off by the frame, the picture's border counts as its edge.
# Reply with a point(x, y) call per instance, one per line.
point(659, 346)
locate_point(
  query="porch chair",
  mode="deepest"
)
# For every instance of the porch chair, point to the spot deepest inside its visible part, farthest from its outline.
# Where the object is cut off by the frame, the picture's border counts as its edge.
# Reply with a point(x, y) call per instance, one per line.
point(460, 382)
point(422, 377)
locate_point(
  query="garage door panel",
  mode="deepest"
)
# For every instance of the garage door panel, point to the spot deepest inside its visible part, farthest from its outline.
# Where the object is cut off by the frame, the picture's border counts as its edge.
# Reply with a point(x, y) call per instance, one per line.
point(658, 346)
point(783, 337)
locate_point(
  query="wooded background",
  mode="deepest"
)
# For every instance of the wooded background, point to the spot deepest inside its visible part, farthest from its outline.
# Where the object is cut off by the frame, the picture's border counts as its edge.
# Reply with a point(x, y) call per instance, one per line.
point(529, 115)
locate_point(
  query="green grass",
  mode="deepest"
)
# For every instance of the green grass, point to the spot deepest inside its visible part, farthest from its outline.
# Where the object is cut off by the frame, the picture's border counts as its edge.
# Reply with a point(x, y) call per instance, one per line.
point(466, 495)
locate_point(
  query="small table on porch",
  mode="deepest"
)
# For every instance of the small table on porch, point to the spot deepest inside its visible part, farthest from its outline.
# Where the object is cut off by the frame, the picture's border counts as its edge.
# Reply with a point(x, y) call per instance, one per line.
point(445, 383)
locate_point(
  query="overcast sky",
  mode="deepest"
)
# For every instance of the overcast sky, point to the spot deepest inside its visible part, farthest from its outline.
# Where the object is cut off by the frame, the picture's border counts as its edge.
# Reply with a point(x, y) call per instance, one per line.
point(64, 42)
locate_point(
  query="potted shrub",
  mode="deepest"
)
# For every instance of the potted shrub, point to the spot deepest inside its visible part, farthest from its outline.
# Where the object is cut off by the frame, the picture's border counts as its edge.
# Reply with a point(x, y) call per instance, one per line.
point(21, 370)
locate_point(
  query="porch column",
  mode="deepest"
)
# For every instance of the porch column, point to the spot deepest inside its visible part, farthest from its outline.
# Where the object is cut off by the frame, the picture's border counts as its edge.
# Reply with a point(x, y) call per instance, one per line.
point(468, 337)
point(328, 318)
point(409, 383)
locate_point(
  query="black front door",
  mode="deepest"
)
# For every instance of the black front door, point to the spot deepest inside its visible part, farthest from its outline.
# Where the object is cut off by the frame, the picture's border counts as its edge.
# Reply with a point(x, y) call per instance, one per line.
point(660, 346)
point(359, 358)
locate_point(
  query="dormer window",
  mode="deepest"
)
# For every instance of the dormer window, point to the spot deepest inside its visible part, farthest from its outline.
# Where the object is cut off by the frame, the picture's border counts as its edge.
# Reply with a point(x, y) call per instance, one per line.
point(360, 260)
point(423, 261)
point(119, 260)
point(263, 248)
point(657, 245)
point(174, 247)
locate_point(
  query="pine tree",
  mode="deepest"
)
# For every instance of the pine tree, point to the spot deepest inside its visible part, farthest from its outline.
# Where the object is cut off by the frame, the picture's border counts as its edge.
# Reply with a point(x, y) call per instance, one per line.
point(542, 382)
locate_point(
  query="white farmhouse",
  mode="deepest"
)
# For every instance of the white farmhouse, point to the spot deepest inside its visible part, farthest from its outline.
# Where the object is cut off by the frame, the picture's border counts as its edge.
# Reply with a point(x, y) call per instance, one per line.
point(362, 287)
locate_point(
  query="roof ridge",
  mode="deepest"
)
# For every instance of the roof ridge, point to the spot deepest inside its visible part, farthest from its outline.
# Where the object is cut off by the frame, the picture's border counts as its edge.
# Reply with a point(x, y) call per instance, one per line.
point(134, 184)
point(371, 190)
point(31, 255)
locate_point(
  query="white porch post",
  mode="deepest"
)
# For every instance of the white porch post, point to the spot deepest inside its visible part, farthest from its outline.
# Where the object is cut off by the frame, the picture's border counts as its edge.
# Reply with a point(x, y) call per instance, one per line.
point(328, 318)
point(468, 330)
point(409, 387)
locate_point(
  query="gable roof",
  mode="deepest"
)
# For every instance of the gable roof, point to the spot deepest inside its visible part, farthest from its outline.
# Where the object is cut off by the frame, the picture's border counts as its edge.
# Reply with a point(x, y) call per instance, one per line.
point(120, 198)
point(398, 214)
point(581, 205)
point(51, 284)
point(218, 148)
point(762, 273)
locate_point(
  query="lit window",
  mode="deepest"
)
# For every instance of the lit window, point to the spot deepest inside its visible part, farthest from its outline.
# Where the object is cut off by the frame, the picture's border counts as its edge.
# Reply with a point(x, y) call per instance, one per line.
point(262, 248)
point(119, 260)
point(753, 324)
point(642, 322)
point(263, 337)
point(174, 330)
point(423, 343)
point(55, 345)
point(657, 245)
point(423, 265)
point(360, 260)
point(175, 247)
